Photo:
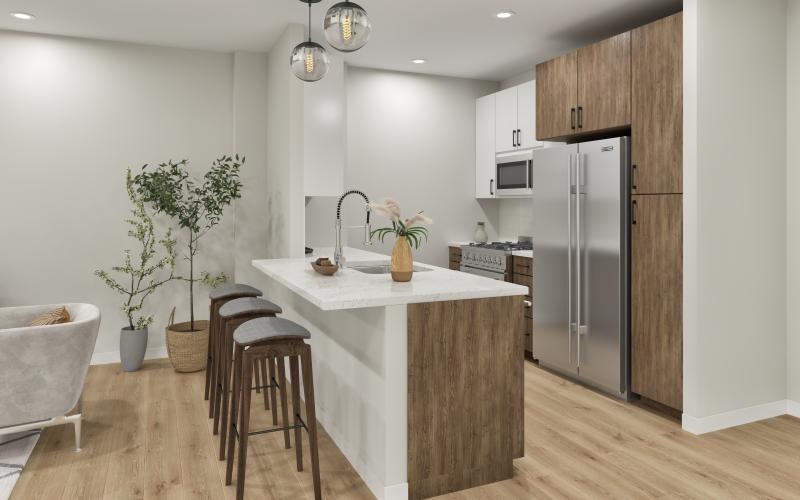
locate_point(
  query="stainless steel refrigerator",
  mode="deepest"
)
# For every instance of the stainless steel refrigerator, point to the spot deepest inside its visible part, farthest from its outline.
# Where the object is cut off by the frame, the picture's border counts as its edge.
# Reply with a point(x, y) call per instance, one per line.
point(580, 261)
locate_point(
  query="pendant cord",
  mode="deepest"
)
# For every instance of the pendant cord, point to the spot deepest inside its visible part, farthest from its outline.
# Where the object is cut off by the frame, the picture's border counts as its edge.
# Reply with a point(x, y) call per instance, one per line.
point(309, 21)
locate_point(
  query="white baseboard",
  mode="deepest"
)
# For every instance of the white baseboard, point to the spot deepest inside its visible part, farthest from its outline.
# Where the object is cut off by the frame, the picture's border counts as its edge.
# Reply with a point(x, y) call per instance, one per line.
point(396, 492)
point(711, 423)
point(105, 358)
point(793, 408)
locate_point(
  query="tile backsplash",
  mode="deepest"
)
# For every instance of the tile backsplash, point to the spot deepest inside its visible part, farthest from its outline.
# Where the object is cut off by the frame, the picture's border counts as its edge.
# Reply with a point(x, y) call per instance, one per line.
point(515, 218)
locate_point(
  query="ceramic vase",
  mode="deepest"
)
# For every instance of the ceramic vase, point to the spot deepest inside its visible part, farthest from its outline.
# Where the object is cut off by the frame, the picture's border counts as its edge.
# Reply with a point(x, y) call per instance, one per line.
point(480, 233)
point(402, 263)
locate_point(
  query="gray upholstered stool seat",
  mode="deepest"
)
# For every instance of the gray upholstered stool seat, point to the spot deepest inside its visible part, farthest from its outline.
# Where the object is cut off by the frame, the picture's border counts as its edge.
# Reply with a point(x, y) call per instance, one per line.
point(262, 329)
point(234, 290)
point(248, 305)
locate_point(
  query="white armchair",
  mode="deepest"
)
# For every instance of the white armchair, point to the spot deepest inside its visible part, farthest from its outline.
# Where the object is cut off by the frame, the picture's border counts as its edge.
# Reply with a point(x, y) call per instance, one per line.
point(42, 368)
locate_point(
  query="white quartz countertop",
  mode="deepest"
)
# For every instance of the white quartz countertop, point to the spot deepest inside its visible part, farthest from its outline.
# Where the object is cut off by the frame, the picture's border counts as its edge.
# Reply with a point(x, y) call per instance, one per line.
point(352, 289)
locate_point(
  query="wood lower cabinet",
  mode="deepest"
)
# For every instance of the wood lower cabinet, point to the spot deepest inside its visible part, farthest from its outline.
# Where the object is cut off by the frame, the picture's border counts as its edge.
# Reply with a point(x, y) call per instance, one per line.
point(604, 84)
point(657, 298)
point(521, 273)
point(455, 258)
point(657, 107)
point(557, 97)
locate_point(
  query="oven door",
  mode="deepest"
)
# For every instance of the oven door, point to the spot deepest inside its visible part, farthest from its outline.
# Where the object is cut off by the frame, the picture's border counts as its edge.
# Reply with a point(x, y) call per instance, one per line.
point(514, 173)
point(482, 272)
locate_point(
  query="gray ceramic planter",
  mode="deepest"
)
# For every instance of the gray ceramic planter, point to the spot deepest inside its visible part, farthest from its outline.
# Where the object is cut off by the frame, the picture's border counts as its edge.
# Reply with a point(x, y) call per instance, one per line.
point(132, 345)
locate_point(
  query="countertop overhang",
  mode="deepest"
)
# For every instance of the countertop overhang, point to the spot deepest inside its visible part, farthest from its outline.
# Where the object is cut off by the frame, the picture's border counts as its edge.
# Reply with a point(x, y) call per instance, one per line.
point(351, 289)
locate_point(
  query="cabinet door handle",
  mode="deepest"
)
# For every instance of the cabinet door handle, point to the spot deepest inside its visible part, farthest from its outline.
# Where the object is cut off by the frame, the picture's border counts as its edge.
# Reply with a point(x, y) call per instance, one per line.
point(580, 117)
point(519, 137)
point(513, 139)
point(633, 212)
point(572, 118)
point(633, 177)
point(491, 187)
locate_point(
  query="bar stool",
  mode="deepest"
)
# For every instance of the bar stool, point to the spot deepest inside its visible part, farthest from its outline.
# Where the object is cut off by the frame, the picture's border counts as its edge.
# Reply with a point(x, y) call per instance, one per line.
point(218, 297)
point(265, 338)
point(231, 315)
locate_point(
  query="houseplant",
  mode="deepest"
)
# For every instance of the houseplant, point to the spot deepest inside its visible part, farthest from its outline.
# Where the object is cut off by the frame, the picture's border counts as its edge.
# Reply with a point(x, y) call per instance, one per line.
point(196, 206)
point(143, 274)
point(409, 232)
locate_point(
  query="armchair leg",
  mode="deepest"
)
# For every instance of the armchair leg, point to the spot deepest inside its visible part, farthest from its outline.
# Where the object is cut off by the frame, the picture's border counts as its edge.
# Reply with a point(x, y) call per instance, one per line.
point(77, 424)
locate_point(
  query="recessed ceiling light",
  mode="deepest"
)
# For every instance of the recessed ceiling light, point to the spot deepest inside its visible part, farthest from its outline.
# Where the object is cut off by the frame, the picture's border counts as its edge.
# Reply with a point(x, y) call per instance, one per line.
point(24, 16)
point(419, 61)
point(505, 14)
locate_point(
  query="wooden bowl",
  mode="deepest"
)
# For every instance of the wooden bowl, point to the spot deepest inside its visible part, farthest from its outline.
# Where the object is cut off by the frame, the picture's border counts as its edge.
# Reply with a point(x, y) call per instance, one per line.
point(326, 270)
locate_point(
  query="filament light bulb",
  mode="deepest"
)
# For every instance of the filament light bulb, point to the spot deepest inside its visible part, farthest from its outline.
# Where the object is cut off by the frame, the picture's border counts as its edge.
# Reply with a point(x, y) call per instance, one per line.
point(347, 28)
point(309, 62)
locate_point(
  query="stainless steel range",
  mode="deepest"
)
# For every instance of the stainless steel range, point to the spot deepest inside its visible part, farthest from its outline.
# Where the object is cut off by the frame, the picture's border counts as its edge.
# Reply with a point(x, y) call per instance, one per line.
point(490, 259)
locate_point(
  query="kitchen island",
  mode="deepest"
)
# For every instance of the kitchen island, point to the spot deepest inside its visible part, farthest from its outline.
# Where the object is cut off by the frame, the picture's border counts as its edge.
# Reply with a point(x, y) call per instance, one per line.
point(419, 384)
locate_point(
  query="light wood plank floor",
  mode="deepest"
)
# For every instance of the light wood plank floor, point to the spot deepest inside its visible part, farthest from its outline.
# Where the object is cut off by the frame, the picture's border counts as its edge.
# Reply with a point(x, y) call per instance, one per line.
point(146, 435)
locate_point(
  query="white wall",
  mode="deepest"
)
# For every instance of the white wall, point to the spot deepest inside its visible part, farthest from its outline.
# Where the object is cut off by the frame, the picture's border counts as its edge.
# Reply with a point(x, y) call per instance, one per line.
point(515, 218)
point(76, 113)
point(284, 195)
point(250, 112)
point(410, 137)
point(525, 76)
point(735, 205)
point(793, 198)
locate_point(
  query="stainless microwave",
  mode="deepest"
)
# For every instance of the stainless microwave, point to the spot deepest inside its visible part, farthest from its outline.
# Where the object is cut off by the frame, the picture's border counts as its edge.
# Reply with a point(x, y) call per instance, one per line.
point(513, 175)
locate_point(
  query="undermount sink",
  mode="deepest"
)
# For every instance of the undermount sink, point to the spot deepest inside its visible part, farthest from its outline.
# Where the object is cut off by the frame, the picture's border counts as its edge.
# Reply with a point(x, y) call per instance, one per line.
point(380, 268)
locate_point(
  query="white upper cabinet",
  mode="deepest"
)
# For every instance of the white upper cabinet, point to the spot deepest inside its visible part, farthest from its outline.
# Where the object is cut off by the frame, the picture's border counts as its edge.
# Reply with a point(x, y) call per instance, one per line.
point(526, 116)
point(484, 147)
point(515, 118)
point(504, 121)
point(505, 130)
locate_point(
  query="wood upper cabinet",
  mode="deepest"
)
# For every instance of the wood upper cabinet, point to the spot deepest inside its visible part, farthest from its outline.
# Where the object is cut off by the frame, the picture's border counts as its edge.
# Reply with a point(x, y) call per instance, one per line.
point(556, 97)
point(588, 90)
point(604, 84)
point(657, 298)
point(657, 106)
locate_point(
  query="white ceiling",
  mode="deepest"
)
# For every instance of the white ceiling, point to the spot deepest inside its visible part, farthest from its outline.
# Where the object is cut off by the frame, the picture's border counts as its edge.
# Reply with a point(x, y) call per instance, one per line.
point(458, 37)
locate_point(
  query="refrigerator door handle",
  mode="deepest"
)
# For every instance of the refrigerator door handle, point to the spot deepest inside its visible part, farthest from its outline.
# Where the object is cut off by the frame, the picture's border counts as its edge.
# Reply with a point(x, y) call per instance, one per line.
point(570, 191)
point(578, 257)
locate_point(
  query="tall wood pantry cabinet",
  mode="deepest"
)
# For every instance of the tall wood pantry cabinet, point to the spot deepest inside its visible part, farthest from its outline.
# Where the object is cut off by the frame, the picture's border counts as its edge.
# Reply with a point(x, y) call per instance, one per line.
point(657, 211)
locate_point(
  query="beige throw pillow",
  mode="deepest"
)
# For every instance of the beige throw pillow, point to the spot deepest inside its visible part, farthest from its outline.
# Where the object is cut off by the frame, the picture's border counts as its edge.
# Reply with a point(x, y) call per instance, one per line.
point(54, 317)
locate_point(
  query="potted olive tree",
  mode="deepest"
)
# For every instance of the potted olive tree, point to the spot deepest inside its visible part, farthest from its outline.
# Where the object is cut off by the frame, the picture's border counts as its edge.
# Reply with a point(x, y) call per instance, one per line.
point(196, 206)
point(140, 275)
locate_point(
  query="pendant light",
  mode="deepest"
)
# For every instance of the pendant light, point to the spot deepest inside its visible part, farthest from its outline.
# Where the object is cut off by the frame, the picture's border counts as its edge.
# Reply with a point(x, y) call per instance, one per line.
point(309, 61)
point(347, 27)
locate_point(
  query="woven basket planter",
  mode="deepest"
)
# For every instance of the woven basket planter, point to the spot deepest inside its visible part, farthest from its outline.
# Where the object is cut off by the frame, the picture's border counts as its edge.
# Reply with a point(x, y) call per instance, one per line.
point(187, 350)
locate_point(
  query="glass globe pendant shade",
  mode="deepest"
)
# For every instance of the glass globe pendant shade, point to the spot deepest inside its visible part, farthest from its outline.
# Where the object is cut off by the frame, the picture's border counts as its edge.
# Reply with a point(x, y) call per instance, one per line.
point(309, 61)
point(347, 27)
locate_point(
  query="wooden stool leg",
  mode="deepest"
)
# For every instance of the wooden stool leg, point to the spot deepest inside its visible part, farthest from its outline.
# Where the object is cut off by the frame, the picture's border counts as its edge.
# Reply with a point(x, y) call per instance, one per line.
point(225, 395)
point(212, 390)
point(244, 427)
point(272, 397)
point(257, 377)
point(222, 354)
point(208, 349)
point(298, 432)
point(311, 420)
point(284, 409)
point(236, 398)
point(263, 366)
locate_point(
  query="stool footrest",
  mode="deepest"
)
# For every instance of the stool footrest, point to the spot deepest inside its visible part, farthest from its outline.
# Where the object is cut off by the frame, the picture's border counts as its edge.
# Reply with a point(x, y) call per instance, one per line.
point(268, 386)
point(301, 425)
